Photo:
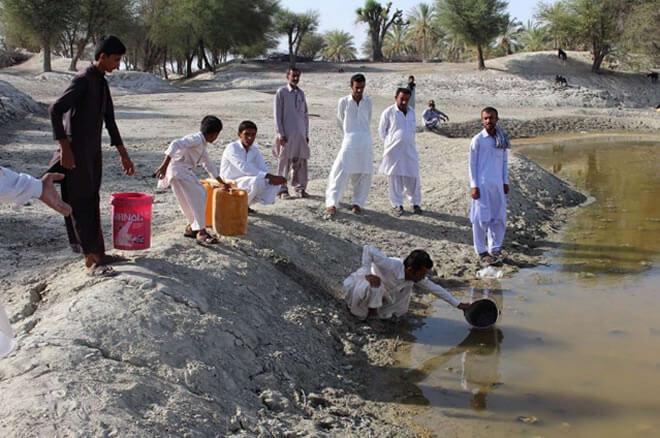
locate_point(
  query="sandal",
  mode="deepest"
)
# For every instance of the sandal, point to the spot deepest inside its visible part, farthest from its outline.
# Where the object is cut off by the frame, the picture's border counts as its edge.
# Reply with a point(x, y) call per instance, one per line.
point(109, 259)
point(204, 238)
point(189, 232)
point(101, 271)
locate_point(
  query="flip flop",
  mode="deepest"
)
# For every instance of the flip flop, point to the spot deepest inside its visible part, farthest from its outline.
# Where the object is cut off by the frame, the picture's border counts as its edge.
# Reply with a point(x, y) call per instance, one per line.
point(207, 240)
point(101, 271)
point(190, 233)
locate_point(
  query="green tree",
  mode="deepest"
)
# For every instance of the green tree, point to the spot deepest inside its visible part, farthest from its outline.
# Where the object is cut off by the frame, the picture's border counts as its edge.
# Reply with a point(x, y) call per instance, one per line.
point(509, 39)
point(379, 19)
point(339, 46)
point(478, 22)
point(40, 21)
point(642, 33)
point(558, 21)
point(312, 45)
point(396, 42)
point(534, 37)
point(423, 32)
point(295, 27)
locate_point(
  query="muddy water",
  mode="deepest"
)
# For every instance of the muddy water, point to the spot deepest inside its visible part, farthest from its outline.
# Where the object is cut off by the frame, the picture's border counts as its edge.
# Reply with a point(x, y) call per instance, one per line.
point(577, 349)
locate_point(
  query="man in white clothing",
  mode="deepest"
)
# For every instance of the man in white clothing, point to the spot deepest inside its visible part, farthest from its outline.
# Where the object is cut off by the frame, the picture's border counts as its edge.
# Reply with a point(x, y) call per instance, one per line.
point(489, 185)
point(355, 159)
point(181, 157)
point(383, 286)
point(18, 188)
point(243, 164)
point(400, 161)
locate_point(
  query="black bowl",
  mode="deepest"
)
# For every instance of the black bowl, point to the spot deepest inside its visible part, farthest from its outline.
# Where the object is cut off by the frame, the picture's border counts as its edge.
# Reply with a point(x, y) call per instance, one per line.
point(482, 313)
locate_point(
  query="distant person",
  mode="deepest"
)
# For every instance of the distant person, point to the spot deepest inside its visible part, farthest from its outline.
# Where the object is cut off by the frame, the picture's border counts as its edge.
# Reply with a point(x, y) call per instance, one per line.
point(653, 76)
point(433, 116)
point(176, 170)
point(561, 54)
point(400, 160)
point(383, 285)
point(292, 135)
point(355, 159)
point(411, 87)
point(489, 186)
point(18, 188)
point(77, 118)
point(243, 164)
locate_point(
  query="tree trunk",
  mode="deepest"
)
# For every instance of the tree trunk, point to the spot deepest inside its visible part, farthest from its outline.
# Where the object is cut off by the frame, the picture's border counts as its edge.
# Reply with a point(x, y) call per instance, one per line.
point(376, 49)
point(80, 49)
point(598, 54)
point(46, 49)
point(189, 62)
point(480, 55)
point(165, 64)
point(202, 52)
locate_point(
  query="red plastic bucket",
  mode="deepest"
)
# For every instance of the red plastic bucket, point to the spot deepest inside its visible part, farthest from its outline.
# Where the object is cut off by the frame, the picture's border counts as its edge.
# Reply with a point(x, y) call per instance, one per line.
point(131, 220)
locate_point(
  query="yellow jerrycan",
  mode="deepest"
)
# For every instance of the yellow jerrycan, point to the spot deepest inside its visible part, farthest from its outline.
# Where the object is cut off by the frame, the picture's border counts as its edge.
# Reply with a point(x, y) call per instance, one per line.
point(230, 211)
point(226, 210)
point(209, 184)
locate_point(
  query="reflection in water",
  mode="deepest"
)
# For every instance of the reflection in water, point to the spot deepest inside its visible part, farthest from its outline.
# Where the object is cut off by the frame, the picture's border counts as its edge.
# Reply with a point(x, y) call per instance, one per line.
point(619, 233)
point(479, 356)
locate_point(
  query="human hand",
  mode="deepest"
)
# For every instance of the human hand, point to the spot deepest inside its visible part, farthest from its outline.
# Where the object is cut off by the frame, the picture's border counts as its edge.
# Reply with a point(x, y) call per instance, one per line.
point(374, 280)
point(49, 195)
point(67, 159)
point(282, 140)
point(127, 165)
point(463, 306)
point(506, 189)
point(474, 193)
point(160, 172)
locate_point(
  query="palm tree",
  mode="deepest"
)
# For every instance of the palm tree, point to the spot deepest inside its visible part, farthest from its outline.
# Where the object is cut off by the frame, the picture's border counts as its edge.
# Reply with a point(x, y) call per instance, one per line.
point(534, 37)
point(395, 44)
point(423, 32)
point(509, 39)
point(338, 46)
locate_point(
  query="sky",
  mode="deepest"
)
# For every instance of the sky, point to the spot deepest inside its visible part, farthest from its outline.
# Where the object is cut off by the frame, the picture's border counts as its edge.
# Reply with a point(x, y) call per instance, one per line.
point(340, 14)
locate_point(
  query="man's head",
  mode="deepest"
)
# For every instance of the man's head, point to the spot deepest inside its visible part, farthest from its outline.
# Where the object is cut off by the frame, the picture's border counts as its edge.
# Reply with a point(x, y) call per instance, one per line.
point(211, 127)
point(489, 119)
point(411, 79)
point(293, 76)
point(358, 82)
point(417, 265)
point(247, 132)
point(401, 98)
point(108, 53)
point(431, 104)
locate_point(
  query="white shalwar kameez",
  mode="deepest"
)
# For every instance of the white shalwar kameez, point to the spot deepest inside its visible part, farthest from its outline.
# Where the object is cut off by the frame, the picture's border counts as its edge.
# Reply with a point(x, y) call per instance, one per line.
point(15, 188)
point(355, 159)
point(392, 297)
point(186, 153)
point(248, 170)
point(488, 167)
point(400, 160)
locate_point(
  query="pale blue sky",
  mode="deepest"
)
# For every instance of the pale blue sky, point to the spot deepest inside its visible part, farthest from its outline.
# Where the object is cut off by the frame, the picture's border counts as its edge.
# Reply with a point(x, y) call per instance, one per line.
point(340, 14)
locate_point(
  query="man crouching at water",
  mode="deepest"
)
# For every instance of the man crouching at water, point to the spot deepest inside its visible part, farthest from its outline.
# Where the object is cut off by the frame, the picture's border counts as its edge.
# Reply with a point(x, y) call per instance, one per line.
point(383, 285)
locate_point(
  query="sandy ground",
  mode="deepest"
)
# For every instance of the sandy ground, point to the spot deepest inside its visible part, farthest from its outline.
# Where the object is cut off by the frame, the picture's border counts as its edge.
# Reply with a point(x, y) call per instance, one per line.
point(250, 338)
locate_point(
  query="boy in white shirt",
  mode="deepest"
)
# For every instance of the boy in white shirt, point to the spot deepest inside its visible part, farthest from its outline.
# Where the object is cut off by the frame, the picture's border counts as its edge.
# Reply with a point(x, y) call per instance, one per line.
point(181, 157)
point(243, 164)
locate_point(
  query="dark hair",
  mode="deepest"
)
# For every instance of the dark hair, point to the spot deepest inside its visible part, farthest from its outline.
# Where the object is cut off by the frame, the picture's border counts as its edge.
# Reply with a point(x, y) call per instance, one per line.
point(418, 259)
point(110, 45)
point(291, 69)
point(359, 77)
point(490, 109)
point(246, 124)
point(210, 124)
point(402, 90)
point(411, 77)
